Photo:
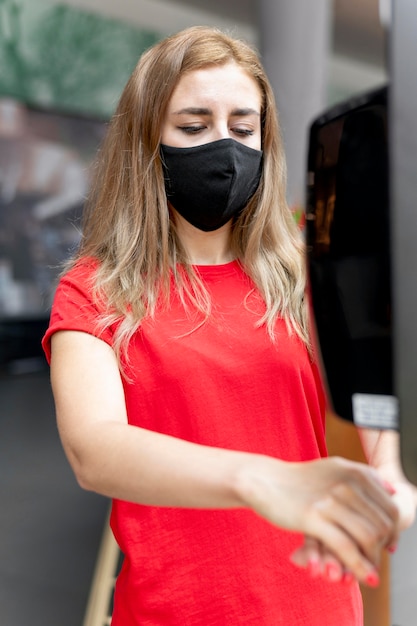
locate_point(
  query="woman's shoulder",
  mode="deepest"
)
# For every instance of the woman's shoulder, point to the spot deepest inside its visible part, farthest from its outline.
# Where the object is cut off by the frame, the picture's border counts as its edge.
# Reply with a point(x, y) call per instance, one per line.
point(77, 281)
point(80, 270)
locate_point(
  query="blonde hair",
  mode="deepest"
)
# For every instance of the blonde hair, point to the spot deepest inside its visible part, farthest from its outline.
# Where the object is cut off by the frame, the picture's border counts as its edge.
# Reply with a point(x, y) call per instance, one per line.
point(127, 224)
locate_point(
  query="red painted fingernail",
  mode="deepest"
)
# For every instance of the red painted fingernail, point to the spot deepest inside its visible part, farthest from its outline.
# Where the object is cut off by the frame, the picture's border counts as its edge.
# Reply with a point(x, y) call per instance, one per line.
point(313, 568)
point(389, 487)
point(348, 578)
point(392, 549)
point(372, 579)
point(332, 572)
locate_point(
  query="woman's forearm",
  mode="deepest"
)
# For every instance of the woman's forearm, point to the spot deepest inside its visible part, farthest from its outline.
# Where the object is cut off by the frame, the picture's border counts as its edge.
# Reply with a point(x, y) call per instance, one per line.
point(137, 465)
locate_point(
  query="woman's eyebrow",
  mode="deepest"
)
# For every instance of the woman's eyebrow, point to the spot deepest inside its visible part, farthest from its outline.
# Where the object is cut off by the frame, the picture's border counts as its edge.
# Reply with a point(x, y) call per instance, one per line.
point(194, 111)
point(239, 112)
point(244, 111)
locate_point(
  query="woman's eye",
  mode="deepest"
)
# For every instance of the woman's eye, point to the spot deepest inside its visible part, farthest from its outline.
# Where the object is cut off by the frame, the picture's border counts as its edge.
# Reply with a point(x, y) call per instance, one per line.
point(191, 130)
point(245, 132)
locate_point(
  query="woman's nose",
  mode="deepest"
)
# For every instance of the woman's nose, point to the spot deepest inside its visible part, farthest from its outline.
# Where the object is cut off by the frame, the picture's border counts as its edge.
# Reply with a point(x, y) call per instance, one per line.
point(221, 131)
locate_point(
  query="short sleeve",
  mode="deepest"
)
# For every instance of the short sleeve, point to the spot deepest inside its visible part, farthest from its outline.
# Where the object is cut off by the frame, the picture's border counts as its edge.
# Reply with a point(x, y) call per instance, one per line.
point(75, 308)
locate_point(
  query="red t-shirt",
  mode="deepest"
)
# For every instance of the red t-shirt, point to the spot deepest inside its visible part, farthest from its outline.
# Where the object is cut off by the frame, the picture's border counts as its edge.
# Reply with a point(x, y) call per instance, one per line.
point(222, 383)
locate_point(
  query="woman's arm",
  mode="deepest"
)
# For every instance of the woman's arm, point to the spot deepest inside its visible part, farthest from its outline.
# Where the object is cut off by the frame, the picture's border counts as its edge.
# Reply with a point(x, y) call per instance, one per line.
point(382, 450)
point(342, 504)
point(118, 460)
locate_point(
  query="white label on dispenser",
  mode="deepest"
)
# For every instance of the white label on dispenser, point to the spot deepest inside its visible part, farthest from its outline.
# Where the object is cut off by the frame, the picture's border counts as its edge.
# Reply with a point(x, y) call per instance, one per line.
point(375, 411)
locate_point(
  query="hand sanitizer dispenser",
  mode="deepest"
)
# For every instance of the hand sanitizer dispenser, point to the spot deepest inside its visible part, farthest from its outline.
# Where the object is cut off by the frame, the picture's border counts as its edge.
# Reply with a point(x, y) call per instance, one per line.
point(348, 243)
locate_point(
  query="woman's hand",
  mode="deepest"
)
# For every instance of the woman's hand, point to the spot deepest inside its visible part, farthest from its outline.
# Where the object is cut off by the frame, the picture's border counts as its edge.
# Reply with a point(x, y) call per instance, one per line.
point(405, 497)
point(343, 505)
point(314, 557)
point(382, 450)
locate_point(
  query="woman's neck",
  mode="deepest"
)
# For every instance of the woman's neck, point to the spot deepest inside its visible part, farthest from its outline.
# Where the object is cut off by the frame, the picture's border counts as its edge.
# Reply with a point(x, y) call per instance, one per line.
point(205, 248)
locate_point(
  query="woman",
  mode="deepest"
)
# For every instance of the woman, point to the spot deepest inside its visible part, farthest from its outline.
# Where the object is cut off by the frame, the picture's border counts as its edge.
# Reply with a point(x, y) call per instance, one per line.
point(185, 383)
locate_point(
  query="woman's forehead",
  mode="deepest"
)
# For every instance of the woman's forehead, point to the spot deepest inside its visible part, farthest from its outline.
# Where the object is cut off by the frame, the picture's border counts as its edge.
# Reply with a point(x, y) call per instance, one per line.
point(213, 84)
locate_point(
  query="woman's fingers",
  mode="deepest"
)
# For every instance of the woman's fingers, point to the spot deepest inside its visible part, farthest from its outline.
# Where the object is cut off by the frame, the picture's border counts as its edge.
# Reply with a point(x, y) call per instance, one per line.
point(367, 522)
point(356, 519)
point(309, 556)
point(319, 562)
point(350, 526)
point(346, 550)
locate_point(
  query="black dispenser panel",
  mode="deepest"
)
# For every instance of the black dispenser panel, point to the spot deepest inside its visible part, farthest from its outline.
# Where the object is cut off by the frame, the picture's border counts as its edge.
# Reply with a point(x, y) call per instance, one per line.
point(348, 243)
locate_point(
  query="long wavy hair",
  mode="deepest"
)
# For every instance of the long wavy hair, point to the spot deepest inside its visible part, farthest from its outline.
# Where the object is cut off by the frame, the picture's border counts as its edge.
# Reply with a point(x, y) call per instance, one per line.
point(127, 223)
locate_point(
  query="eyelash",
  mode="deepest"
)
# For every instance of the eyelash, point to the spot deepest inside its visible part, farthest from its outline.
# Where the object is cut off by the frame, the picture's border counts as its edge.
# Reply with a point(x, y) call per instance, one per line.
point(193, 130)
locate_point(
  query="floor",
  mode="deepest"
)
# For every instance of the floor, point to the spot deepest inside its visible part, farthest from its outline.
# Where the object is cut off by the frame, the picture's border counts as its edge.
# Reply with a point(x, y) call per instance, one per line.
point(49, 528)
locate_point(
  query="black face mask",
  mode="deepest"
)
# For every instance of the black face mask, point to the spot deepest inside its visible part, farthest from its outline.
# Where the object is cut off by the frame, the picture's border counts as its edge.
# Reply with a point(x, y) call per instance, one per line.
point(210, 184)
